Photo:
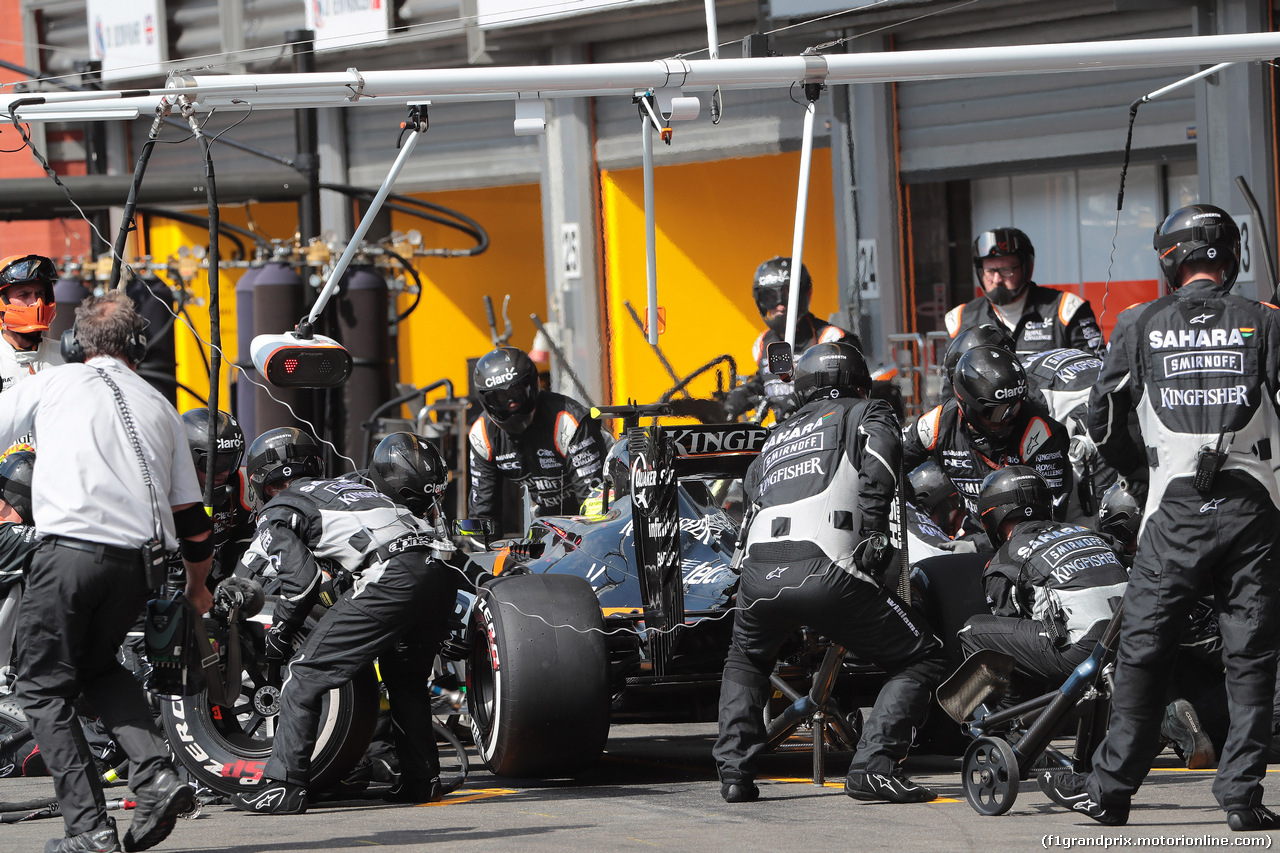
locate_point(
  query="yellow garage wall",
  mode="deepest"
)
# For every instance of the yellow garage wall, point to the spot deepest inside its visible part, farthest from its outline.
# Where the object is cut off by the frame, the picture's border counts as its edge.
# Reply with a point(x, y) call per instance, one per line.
point(715, 223)
point(449, 324)
point(278, 221)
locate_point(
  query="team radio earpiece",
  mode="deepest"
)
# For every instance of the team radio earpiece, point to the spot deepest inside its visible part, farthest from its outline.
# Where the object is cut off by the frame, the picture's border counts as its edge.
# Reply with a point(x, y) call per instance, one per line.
point(135, 350)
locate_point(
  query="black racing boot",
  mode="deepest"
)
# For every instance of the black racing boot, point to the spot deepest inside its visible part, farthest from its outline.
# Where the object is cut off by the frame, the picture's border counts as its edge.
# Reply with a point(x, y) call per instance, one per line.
point(100, 840)
point(272, 796)
point(1068, 790)
point(415, 791)
point(160, 802)
point(739, 792)
point(1256, 819)
point(893, 787)
point(1181, 727)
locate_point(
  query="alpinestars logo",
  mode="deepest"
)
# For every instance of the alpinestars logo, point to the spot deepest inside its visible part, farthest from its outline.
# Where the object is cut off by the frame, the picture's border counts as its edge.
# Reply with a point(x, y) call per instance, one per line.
point(267, 800)
point(776, 573)
point(1202, 318)
point(1212, 505)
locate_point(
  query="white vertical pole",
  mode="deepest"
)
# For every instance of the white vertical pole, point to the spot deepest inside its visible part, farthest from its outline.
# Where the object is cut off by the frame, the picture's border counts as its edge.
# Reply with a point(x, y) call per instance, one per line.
point(650, 238)
point(713, 34)
point(797, 239)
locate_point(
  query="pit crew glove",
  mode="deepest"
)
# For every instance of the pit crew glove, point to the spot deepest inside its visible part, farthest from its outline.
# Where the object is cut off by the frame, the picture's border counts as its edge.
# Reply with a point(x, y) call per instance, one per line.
point(279, 648)
point(738, 401)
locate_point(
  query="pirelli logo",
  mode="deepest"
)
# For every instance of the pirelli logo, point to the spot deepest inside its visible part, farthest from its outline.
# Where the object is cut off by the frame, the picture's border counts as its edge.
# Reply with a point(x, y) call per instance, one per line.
point(1214, 362)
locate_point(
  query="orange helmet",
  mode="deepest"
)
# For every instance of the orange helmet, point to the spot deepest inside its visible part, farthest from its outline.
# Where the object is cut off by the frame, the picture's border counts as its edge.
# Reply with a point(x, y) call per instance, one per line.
point(24, 269)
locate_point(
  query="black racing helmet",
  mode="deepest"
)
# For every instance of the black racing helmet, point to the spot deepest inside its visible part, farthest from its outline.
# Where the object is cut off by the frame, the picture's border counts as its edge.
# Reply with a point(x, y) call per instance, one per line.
point(506, 380)
point(1004, 242)
point(408, 469)
point(1199, 232)
point(283, 453)
point(982, 335)
point(1013, 493)
point(991, 387)
point(1120, 514)
point(16, 468)
point(230, 441)
point(831, 370)
point(772, 286)
point(935, 494)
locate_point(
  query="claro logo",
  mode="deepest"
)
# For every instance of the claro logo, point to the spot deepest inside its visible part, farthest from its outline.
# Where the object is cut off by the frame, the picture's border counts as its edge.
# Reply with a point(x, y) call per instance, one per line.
point(1009, 393)
point(491, 381)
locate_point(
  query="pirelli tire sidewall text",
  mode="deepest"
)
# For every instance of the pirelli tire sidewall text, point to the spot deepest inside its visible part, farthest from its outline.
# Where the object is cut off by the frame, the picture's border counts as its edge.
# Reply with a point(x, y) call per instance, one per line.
point(209, 741)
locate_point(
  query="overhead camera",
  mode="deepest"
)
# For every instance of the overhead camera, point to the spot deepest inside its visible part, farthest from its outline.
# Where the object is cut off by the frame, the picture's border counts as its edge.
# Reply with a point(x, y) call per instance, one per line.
point(291, 360)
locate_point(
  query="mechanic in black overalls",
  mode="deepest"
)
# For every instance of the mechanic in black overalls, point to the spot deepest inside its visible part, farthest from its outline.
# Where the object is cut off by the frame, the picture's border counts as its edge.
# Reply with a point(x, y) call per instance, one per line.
point(395, 609)
point(1202, 368)
point(991, 423)
point(771, 289)
point(234, 520)
point(814, 555)
point(545, 441)
point(1038, 318)
point(1051, 586)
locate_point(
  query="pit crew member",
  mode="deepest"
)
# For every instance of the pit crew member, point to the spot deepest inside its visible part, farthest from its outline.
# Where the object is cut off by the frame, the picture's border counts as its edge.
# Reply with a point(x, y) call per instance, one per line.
point(814, 554)
point(545, 441)
point(1038, 318)
point(1201, 366)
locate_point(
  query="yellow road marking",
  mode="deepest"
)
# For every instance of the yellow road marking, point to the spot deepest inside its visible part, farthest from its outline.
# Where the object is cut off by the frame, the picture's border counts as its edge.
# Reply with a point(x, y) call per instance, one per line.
point(801, 780)
point(471, 796)
point(642, 841)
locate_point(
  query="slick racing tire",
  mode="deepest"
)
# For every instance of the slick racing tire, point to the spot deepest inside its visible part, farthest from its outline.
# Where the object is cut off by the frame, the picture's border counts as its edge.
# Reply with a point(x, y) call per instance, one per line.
point(19, 756)
point(227, 749)
point(538, 678)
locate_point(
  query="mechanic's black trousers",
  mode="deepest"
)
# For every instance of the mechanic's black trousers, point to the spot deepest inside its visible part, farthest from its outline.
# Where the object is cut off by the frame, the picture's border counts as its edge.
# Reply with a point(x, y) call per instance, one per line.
point(76, 611)
point(865, 619)
point(1191, 543)
point(397, 615)
point(1038, 655)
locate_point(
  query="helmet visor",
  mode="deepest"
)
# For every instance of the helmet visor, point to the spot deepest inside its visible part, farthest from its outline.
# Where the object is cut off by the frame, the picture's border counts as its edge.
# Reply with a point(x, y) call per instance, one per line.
point(30, 268)
point(997, 243)
point(770, 296)
point(223, 463)
point(502, 403)
point(995, 418)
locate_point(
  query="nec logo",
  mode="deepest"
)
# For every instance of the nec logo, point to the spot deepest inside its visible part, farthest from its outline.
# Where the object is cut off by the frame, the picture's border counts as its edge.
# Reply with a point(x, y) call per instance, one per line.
point(491, 381)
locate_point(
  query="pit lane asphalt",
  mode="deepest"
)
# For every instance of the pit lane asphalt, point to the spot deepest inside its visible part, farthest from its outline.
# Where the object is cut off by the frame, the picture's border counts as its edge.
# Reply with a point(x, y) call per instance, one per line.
point(656, 789)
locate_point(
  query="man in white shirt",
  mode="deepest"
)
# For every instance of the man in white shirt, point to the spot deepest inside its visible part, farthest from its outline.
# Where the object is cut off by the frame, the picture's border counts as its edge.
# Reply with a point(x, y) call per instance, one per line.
point(114, 476)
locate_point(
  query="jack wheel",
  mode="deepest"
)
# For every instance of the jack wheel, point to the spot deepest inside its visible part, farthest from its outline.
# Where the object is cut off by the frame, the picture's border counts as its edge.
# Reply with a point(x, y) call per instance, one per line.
point(990, 776)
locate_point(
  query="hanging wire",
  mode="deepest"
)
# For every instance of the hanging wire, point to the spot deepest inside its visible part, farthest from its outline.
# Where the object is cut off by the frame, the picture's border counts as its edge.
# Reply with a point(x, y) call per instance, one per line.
point(315, 430)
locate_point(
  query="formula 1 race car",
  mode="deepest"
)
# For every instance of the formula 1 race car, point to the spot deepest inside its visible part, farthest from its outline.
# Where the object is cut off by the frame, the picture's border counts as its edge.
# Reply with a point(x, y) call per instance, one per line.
point(625, 613)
